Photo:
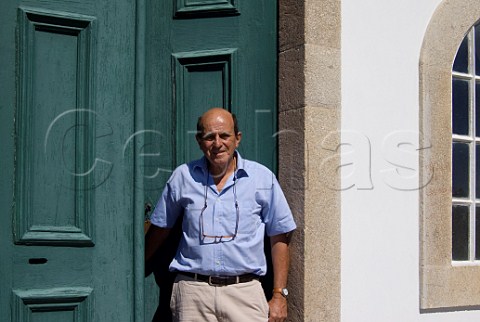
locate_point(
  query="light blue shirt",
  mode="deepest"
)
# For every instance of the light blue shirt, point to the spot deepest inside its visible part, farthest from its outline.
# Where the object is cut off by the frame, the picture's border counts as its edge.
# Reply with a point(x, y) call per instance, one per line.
point(262, 207)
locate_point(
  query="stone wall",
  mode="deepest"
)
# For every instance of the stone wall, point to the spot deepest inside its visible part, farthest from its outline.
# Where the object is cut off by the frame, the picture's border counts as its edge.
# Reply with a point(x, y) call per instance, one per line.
point(309, 136)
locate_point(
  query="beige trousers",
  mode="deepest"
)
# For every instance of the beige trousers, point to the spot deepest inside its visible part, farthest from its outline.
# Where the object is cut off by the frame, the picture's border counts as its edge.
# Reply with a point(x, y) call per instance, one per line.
point(198, 301)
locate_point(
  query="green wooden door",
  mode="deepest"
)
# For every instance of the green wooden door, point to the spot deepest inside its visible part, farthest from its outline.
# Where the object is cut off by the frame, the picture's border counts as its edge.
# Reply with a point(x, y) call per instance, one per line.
point(66, 181)
point(70, 79)
point(203, 54)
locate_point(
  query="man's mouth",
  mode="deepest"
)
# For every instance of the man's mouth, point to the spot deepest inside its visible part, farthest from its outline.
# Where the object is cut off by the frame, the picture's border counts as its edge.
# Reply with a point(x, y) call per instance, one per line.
point(218, 153)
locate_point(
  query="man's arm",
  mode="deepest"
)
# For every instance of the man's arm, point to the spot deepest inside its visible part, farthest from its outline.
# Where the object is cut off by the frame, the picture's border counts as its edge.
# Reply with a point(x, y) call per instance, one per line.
point(154, 239)
point(281, 262)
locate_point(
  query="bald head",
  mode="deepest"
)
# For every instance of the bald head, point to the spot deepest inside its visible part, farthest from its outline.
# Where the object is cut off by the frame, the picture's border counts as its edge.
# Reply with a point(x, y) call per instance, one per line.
point(214, 113)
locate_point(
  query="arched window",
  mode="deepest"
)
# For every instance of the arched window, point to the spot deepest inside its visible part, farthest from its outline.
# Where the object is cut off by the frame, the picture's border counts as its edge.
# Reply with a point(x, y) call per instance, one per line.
point(466, 149)
point(450, 133)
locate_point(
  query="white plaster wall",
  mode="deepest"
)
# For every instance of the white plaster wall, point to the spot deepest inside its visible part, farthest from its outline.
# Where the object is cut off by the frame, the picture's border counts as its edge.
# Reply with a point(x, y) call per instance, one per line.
point(381, 43)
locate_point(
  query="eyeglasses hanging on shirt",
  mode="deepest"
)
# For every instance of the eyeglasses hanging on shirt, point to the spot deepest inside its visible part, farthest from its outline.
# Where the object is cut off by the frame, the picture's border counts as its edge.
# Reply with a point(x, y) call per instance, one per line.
point(220, 238)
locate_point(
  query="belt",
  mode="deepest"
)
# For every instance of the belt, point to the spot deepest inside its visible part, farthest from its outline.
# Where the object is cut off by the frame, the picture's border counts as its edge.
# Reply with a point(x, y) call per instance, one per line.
point(221, 280)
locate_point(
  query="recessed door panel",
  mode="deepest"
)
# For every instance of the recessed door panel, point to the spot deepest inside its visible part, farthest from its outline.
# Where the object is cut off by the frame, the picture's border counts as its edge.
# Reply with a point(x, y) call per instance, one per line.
point(53, 129)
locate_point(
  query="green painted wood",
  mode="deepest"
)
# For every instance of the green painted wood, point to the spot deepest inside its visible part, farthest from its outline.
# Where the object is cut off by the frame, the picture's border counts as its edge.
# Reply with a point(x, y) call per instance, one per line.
point(7, 103)
point(66, 186)
point(202, 54)
point(55, 304)
point(205, 8)
point(201, 78)
point(54, 44)
point(141, 306)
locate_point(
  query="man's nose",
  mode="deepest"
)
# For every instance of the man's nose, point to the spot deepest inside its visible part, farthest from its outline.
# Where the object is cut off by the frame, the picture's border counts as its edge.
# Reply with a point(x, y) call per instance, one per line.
point(217, 141)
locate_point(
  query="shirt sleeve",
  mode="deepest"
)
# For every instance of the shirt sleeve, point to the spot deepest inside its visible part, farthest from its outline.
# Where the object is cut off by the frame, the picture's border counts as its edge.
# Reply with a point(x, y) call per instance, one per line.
point(277, 215)
point(167, 209)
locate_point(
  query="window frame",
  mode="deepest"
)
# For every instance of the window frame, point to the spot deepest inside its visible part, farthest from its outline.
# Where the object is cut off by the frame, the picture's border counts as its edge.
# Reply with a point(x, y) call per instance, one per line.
point(445, 285)
point(473, 141)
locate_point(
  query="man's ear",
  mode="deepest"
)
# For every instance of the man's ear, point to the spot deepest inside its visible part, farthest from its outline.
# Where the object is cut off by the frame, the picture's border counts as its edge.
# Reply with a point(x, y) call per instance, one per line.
point(198, 138)
point(238, 136)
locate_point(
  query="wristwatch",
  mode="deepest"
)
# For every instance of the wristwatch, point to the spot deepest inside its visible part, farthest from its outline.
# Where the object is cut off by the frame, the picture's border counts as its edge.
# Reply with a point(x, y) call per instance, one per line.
point(283, 291)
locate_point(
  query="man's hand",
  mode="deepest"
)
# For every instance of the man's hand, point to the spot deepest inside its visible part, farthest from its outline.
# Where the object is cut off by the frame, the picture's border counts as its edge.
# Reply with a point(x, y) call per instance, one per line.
point(280, 261)
point(278, 308)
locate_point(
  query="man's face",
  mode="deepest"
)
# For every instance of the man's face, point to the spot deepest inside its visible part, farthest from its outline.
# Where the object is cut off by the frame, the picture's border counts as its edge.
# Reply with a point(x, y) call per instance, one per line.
point(218, 140)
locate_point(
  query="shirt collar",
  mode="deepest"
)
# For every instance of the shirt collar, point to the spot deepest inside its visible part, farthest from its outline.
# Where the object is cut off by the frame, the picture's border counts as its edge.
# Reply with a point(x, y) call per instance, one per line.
point(201, 165)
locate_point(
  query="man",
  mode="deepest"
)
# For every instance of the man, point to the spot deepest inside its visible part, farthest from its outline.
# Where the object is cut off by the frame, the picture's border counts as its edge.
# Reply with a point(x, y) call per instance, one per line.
point(227, 203)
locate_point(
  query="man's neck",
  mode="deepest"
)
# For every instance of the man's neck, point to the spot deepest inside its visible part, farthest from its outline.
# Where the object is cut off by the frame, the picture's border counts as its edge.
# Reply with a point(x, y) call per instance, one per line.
point(221, 175)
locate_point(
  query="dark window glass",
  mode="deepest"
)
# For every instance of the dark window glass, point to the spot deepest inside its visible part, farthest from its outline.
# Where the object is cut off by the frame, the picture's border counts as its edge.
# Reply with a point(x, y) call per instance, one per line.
point(477, 50)
point(477, 110)
point(460, 170)
point(477, 234)
point(460, 107)
point(461, 60)
point(477, 171)
point(460, 233)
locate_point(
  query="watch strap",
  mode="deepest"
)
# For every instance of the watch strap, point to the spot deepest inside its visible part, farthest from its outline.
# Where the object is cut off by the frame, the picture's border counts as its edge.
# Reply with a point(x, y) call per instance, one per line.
point(281, 290)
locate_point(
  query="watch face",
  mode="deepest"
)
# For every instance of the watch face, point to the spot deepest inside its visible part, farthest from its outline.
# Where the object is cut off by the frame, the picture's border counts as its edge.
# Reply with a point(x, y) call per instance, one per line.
point(285, 292)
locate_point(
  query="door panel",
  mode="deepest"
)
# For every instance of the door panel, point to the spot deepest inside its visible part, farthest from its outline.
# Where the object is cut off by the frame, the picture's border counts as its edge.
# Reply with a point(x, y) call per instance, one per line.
point(66, 188)
point(55, 56)
point(201, 79)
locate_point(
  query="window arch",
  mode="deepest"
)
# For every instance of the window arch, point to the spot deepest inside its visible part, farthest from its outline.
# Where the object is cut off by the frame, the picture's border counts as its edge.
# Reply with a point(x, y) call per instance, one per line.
point(448, 282)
